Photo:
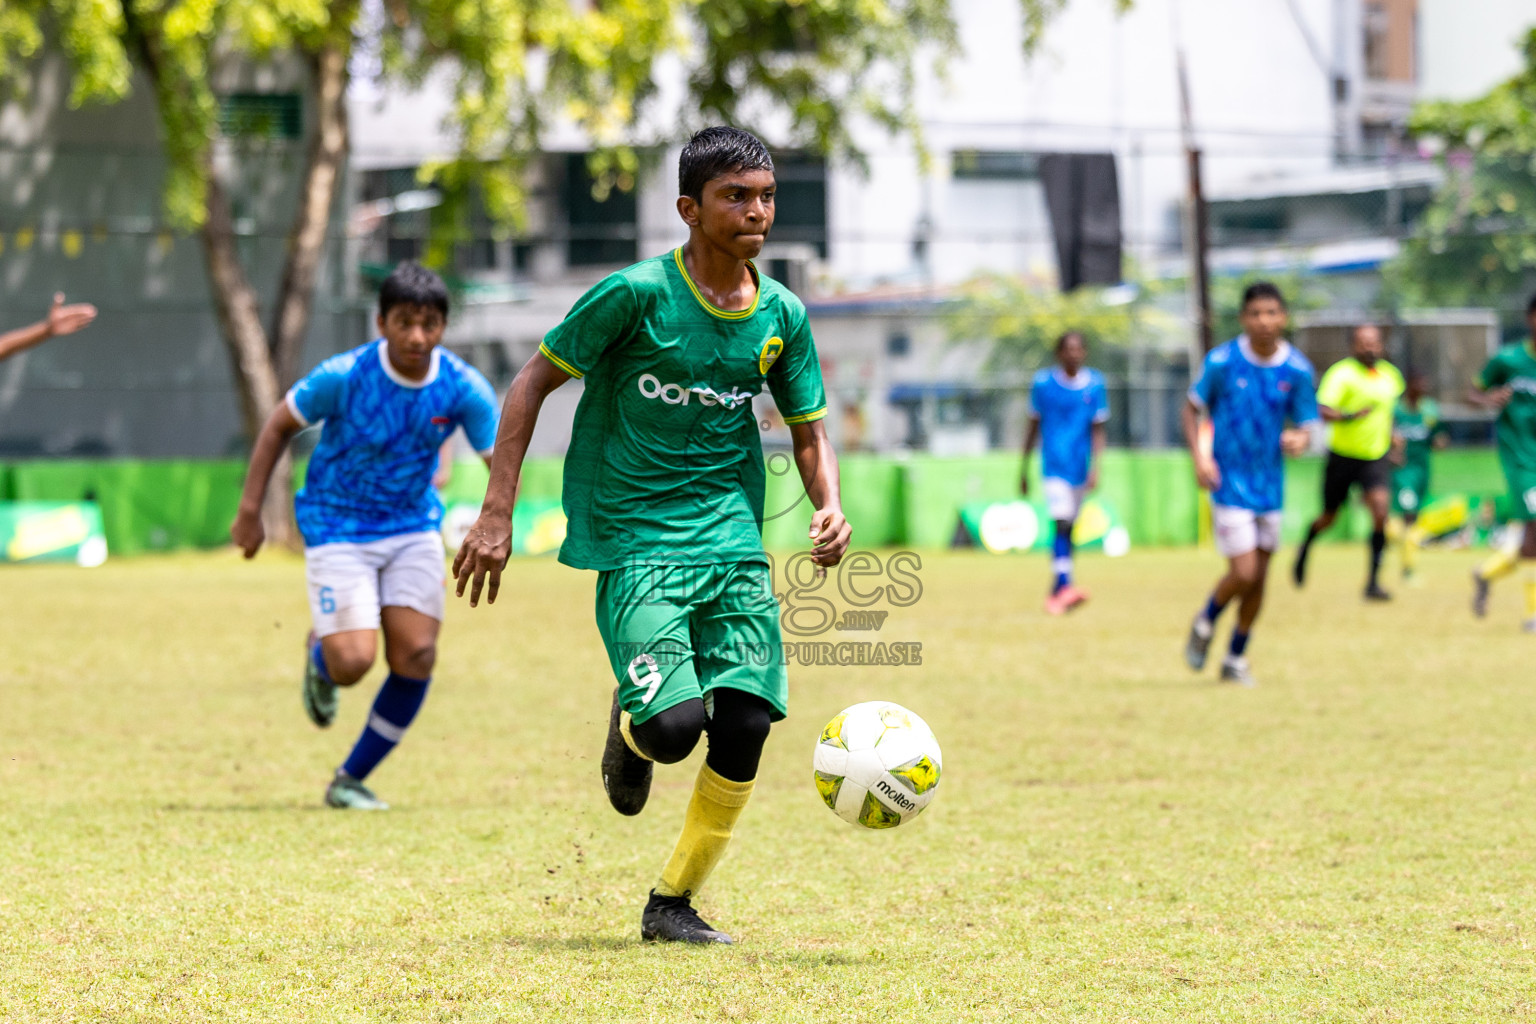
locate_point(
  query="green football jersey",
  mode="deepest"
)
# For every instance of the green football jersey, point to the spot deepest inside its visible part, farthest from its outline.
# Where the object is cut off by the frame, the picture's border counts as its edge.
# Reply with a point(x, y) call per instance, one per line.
point(665, 464)
point(1515, 366)
point(1418, 428)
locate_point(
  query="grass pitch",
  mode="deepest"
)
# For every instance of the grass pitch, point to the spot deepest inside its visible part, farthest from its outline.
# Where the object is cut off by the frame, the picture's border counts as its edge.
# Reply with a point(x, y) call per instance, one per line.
point(1114, 838)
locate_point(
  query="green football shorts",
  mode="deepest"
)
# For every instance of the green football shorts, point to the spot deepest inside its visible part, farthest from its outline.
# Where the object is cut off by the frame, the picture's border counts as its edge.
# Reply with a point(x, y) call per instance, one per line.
point(1410, 484)
point(1522, 491)
point(675, 632)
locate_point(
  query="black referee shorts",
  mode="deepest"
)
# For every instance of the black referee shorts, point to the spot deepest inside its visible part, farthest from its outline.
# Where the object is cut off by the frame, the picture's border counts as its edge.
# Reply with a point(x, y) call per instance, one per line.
point(1343, 472)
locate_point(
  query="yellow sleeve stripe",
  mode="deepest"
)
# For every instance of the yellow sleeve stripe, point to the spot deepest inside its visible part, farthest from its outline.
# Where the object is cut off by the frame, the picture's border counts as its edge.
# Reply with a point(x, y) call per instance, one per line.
point(567, 367)
point(806, 418)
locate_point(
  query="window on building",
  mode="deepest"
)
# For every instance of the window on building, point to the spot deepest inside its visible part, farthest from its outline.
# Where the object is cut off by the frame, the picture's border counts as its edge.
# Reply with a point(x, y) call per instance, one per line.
point(601, 231)
point(261, 115)
point(800, 214)
point(995, 165)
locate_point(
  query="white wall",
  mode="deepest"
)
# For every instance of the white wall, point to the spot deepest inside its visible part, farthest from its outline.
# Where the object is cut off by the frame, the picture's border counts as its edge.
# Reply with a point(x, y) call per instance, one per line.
point(1468, 46)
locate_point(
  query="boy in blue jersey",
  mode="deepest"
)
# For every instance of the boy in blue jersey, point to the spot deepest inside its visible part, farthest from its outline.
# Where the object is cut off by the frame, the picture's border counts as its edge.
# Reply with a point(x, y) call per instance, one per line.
point(1068, 407)
point(61, 320)
point(1248, 389)
point(369, 514)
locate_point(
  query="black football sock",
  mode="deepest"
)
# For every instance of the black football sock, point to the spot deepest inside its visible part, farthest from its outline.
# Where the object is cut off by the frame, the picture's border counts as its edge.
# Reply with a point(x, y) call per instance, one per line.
point(1378, 545)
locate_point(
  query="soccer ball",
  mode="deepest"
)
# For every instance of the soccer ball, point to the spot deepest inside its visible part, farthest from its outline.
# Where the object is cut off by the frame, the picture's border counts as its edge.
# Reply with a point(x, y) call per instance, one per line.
point(877, 764)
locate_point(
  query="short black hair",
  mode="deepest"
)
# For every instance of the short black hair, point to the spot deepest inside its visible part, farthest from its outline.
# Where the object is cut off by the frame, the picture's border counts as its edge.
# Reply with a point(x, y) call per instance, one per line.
point(715, 152)
point(411, 284)
point(1530, 308)
point(1262, 290)
point(1061, 342)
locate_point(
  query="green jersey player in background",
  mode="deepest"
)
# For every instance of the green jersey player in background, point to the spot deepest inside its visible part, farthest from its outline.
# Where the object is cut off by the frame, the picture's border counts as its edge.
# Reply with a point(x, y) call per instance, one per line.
point(1508, 384)
point(1416, 429)
point(663, 493)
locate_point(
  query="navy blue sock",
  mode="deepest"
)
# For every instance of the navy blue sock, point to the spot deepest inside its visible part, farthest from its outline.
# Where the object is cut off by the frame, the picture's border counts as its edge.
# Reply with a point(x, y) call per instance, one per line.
point(317, 655)
point(1239, 643)
point(1213, 608)
point(1061, 556)
point(393, 709)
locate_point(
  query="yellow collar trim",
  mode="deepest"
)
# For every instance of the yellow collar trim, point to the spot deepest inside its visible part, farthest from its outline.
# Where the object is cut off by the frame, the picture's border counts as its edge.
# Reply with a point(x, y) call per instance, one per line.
point(723, 314)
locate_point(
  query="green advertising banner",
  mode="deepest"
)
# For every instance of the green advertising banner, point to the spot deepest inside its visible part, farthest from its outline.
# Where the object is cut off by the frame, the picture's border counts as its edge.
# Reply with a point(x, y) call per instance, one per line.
point(52, 531)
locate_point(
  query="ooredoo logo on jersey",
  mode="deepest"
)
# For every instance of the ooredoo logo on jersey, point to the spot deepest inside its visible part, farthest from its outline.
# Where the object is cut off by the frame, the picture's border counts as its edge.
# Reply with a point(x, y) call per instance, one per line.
point(676, 394)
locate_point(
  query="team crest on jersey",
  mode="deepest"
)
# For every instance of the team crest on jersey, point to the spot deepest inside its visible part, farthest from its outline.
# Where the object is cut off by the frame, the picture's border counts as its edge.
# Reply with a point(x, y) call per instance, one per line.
point(771, 349)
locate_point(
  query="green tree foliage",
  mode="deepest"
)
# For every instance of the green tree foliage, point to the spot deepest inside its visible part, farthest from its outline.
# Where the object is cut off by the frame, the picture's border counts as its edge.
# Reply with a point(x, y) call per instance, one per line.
point(1476, 243)
point(1021, 320)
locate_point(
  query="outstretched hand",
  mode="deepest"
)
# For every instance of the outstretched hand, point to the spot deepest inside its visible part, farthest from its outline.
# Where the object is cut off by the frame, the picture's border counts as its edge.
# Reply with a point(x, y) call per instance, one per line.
point(64, 319)
point(481, 558)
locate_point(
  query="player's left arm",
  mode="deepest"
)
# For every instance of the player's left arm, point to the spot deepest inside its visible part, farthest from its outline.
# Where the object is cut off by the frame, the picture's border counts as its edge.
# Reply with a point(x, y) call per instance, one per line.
point(61, 320)
point(817, 463)
point(1097, 436)
point(1305, 411)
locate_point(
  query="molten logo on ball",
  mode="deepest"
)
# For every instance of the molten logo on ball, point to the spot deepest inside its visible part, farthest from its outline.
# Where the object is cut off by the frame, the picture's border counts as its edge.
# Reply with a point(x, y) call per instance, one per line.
point(877, 765)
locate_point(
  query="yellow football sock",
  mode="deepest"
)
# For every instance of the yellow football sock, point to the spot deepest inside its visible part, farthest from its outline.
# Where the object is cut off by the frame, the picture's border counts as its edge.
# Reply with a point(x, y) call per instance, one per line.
point(1501, 563)
point(1530, 591)
point(712, 813)
point(629, 741)
point(1411, 541)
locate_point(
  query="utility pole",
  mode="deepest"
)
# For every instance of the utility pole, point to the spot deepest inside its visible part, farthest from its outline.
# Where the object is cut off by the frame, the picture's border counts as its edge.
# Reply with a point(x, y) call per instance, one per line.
point(1197, 240)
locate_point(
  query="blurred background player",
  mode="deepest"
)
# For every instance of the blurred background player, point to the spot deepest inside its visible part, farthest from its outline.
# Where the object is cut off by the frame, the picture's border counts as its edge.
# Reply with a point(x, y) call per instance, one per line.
point(1508, 384)
point(664, 483)
point(1068, 407)
point(1249, 388)
point(1416, 429)
point(369, 513)
point(61, 320)
point(1357, 397)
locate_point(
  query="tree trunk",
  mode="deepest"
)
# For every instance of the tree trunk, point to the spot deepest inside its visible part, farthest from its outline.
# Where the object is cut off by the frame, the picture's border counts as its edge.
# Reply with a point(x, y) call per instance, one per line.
point(317, 194)
point(255, 376)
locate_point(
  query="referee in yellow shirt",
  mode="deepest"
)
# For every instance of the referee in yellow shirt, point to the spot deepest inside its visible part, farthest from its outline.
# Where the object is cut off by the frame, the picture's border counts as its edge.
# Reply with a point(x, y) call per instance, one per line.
point(1357, 397)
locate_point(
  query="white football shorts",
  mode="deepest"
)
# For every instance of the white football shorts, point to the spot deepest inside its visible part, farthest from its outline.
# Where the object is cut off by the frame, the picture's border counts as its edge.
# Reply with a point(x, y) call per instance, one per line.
point(349, 583)
point(1241, 530)
point(1063, 501)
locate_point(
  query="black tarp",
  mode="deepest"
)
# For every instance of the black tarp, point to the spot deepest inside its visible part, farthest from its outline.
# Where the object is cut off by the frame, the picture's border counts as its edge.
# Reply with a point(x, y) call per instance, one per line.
point(1082, 193)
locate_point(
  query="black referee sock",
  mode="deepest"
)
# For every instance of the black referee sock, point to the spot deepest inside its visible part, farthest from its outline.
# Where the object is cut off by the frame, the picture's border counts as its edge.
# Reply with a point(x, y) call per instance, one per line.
point(1378, 545)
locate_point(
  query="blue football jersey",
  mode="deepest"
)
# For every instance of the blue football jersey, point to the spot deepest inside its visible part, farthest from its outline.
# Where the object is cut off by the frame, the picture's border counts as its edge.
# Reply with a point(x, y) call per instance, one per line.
point(371, 474)
point(1067, 408)
point(1249, 401)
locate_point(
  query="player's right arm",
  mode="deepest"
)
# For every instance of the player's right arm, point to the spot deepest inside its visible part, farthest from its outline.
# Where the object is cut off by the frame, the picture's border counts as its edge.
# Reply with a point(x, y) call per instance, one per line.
point(1031, 436)
point(488, 544)
point(247, 531)
point(1202, 395)
point(1491, 390)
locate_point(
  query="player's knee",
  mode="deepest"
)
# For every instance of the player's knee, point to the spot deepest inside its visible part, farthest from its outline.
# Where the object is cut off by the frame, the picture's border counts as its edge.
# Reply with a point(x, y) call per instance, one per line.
point(1247, 576)
point(346, 667)
point(743, 724)
point(669, 736)
point(414, 660)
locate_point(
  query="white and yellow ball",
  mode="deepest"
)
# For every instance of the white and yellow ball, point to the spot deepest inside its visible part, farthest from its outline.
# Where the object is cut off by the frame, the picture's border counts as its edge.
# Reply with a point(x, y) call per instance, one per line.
point(877, 764)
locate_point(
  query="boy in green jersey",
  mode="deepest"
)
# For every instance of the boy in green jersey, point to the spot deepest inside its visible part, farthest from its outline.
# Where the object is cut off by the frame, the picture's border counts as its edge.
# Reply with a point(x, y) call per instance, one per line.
point(664, 498)
point(1508, 384)
point(1416, 429)
point(1356, 396)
